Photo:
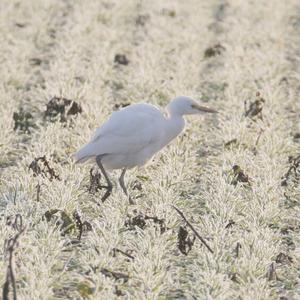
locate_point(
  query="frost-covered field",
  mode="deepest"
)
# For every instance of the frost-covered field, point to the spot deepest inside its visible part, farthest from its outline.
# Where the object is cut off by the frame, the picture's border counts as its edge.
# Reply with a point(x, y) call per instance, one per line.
point(235, 176)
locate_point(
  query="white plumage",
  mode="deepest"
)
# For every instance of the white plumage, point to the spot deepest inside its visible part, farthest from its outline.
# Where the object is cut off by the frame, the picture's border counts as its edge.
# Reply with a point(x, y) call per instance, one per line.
point(127, 139)
point(131, 136)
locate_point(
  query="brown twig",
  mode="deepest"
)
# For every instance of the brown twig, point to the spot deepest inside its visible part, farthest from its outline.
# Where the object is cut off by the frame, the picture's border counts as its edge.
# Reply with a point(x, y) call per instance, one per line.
point(62, 108)
point(78, 223)
point(231, 143)
point(239, 176)
point(295, 163)
point(95, 181)
point(16, 223)
point(258, 137)
point(193, 229)
point(38, 192)
point(237, 249)
point(114, 275)
point(37, 170)
point(255, 108)
point(156, 220)
point(229, 224)
point(122, 252)
point(81, 225)
point(140, 221)
point(283, 258)
point(10, 247)
point(185, 242)
point(271, 273)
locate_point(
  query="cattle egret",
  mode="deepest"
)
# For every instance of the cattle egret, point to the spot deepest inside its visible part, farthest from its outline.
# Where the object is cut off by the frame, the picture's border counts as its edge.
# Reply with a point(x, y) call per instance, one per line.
point(132, 135)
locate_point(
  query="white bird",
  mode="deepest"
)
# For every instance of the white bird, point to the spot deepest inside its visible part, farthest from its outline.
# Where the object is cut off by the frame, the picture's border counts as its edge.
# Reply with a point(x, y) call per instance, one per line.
point(132, 135)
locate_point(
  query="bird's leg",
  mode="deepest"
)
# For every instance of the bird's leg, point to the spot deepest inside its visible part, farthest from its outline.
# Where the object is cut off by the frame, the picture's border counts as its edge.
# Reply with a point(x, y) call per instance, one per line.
point(109, 184)
point(122, 184)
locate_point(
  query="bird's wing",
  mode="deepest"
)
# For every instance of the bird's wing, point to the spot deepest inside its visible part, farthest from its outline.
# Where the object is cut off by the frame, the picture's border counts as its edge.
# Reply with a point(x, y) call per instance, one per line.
point(127, 131)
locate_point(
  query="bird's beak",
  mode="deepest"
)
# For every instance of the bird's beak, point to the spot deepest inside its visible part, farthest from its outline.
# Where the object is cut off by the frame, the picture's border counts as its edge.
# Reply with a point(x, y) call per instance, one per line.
point(204, 108)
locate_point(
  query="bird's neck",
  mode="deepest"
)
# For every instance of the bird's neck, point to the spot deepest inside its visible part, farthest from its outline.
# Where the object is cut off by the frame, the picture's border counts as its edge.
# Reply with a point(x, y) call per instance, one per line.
point(175, 124)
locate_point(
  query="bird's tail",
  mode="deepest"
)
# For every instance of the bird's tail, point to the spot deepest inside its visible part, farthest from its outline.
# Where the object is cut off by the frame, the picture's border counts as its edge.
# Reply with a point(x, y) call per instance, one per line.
point(83, 154)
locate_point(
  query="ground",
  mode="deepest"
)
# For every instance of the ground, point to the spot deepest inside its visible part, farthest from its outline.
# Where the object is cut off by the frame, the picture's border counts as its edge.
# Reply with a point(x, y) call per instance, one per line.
point(66, 65)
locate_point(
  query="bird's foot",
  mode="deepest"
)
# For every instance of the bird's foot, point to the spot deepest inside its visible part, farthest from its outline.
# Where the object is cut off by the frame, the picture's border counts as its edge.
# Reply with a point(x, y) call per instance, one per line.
point(107, 193)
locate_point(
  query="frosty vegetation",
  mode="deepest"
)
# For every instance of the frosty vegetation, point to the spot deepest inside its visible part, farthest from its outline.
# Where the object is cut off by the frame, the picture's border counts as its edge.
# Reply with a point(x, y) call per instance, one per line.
point(66, 65)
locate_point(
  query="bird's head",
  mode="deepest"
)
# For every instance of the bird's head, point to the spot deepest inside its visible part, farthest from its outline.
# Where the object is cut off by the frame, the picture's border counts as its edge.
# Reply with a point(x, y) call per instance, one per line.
point(183, 105)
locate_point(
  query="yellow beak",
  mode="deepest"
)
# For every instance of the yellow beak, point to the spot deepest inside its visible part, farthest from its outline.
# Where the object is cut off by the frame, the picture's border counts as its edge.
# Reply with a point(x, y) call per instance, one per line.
point(204, 108)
